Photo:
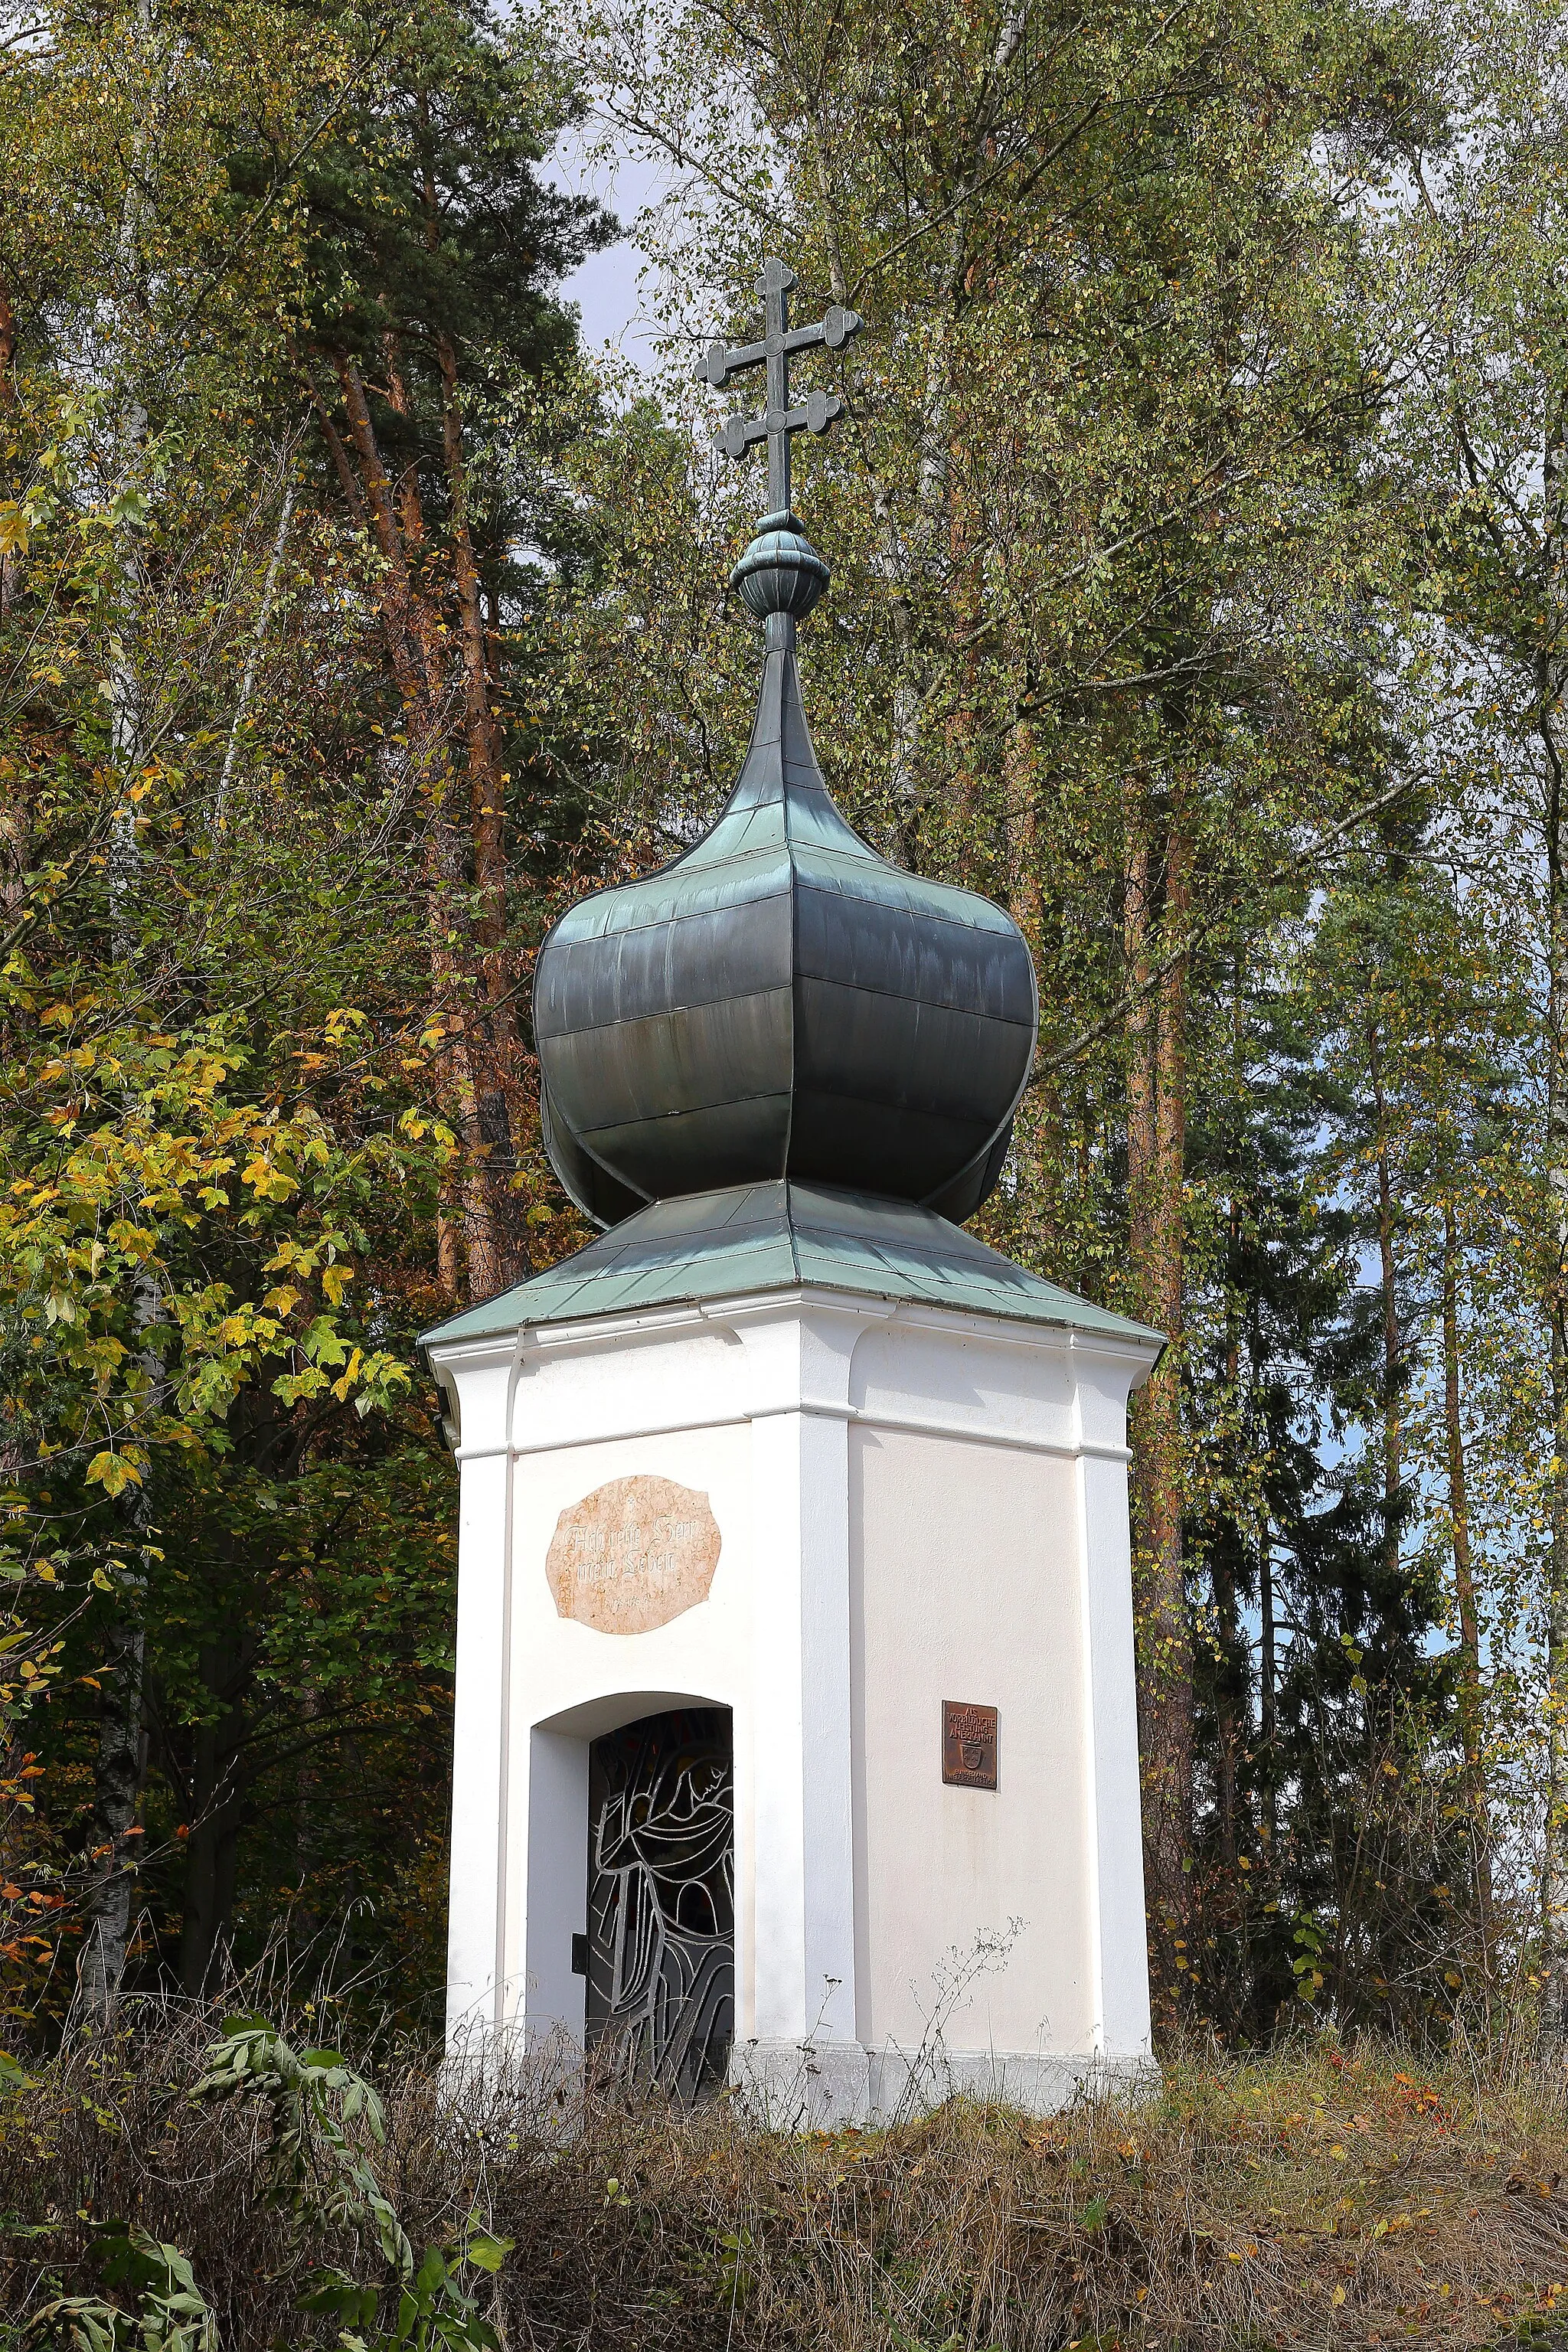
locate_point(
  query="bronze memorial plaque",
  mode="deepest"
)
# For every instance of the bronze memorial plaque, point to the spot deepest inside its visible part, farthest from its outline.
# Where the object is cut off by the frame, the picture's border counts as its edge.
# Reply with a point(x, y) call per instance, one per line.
point(632, 1555)
point(968, 1744)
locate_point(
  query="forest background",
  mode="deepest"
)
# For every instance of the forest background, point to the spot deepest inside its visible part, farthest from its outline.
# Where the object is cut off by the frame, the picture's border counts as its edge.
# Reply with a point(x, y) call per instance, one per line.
point(1200, 590)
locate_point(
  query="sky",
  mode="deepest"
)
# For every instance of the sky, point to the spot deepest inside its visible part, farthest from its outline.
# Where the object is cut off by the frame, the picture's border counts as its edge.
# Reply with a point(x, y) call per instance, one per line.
point(606, 288)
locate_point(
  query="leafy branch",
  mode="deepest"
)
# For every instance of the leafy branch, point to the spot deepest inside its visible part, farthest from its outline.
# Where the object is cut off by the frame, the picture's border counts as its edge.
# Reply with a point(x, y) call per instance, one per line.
point(320, 2114)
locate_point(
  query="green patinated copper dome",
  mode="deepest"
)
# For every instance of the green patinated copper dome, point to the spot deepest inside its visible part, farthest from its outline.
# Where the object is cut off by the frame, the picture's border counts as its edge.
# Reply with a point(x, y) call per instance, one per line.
point(781, 1003)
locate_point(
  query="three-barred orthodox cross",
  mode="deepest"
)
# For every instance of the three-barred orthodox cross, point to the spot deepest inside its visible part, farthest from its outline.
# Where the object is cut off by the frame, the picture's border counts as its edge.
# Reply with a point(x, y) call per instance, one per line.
point(779, 421)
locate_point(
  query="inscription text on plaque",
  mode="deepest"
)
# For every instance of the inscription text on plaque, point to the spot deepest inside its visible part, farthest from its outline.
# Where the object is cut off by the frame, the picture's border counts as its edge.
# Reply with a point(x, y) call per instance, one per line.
point(633, 1555)
point(968, 1744)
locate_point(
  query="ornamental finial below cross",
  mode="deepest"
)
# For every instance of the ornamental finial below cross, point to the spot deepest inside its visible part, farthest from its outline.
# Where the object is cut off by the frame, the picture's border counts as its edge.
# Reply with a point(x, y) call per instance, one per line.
point(779, 421)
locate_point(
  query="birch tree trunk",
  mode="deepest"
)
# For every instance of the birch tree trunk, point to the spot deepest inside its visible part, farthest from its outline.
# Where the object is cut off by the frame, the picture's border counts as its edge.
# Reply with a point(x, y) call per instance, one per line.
point(1156, 1082)
point(1268, 1688)
point(253, 654)
point(120, 1767)
point(1549, 682)
point(1393, 1360)
point(1471, 1724)
point(11, 558)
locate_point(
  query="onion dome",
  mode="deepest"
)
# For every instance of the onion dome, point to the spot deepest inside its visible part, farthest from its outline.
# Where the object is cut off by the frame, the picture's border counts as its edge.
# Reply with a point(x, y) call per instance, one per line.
point(782, 1003)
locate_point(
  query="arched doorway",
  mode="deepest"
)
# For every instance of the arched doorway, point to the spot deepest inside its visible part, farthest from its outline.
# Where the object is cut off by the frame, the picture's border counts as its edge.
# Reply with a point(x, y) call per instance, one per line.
point(661, 1898)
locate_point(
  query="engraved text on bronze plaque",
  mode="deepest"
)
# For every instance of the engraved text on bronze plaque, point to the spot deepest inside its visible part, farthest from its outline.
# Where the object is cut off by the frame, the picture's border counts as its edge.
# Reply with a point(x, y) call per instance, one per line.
point(632, 1555)
point(968, 1744)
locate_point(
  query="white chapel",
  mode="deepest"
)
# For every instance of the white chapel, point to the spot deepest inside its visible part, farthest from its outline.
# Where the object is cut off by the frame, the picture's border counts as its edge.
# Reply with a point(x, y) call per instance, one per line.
point(795, 1735)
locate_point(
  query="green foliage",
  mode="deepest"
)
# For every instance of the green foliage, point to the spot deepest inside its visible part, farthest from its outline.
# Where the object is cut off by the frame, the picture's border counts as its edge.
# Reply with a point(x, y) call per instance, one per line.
point(431, 2311)
point(226, 1018)
point(314, 2101)
point(1198, 592)
point(170, 2315)
point(320, 2112)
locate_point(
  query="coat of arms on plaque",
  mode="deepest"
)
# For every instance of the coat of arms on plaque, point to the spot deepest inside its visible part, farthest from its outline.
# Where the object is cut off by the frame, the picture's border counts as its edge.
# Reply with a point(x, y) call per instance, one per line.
point(968, 1744)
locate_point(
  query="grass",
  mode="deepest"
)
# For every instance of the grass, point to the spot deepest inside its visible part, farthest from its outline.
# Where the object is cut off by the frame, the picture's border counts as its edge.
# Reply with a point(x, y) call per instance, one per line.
point(1318, 2196)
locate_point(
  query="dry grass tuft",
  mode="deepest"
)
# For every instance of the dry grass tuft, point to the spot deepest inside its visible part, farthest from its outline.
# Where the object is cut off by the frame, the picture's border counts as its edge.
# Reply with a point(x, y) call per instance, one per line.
point(1314, 2196)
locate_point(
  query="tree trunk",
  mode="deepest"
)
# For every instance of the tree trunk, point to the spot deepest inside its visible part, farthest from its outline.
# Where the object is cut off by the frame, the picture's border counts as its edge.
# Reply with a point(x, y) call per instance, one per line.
point(1163, 1409)
point(120, 1768)
point(1137, 923)
point(1230, 1677)
point(1393, 1362)
point(910, 551)
point(1471, 1723)
point(496, 1059)
point(1549, 695)
point(417, 676)
point(484, 1258)
point(469, 1243)
point(1021, 787)
point(1267, 1686)
point(486, 780)
point(305, 1919)
point(118, 1775)
point(7, 354)
point(486, 783)
point(1228, 1714)
point(253, 657)
point(11, 561)
point(1156, 1154)
point(1052, 1148)
point(15, 821)
point(213, 1848)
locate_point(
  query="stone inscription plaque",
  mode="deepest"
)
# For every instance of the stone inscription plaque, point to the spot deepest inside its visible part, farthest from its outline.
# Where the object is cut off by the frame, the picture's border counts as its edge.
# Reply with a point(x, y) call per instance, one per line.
point(633, 1555)
point(968, 1744)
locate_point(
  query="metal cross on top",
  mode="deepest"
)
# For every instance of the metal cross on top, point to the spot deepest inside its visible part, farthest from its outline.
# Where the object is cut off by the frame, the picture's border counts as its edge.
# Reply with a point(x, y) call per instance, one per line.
point(779, 420)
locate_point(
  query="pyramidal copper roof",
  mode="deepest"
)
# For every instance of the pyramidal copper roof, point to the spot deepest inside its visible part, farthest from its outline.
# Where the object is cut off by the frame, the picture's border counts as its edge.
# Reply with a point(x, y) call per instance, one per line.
point(753, 1239)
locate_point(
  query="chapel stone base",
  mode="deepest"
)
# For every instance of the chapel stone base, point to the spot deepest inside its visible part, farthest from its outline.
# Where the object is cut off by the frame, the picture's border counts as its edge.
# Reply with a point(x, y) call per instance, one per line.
point(784, 2087)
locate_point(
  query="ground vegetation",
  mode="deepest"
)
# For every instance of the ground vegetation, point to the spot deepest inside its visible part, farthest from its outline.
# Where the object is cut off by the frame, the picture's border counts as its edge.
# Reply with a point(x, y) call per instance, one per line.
point(1322, 2194)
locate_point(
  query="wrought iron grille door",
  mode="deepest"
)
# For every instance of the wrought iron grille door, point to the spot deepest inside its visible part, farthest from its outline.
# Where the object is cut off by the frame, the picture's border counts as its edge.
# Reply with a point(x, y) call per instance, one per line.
point(661, 1898)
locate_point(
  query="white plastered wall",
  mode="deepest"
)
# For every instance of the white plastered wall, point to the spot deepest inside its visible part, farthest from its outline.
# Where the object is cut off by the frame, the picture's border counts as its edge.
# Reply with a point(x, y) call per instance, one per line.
point(965, 1588)
point(912, 1507)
